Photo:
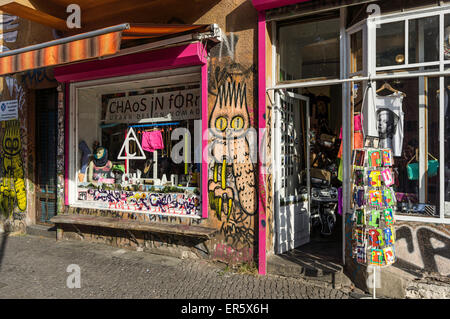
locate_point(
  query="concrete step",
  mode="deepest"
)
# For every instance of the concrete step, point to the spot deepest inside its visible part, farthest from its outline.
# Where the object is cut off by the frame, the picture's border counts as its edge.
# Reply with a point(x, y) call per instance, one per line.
point(42, 230)
point(309, 267)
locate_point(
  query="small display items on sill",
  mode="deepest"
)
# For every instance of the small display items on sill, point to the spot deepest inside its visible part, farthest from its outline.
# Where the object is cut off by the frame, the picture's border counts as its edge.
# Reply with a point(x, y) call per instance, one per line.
point(374, 205)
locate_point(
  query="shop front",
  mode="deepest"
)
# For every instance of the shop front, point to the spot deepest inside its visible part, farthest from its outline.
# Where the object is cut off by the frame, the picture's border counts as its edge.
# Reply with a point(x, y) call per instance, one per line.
point(139, 113)
point(339, 78)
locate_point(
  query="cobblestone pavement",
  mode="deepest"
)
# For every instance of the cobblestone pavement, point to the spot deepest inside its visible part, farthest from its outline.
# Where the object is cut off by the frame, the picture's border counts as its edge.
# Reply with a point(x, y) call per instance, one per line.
point(36, 267)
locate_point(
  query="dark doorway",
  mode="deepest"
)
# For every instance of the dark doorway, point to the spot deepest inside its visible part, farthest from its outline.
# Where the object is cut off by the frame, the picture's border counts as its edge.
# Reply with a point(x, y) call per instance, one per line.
point(46, 139)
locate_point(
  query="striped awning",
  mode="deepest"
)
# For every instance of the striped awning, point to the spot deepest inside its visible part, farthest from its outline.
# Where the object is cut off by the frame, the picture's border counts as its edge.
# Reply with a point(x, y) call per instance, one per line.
point(84, 46)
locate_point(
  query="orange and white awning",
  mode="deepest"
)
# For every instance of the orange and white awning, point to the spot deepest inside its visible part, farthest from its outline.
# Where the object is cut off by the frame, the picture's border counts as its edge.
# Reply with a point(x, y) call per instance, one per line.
point(85, 46)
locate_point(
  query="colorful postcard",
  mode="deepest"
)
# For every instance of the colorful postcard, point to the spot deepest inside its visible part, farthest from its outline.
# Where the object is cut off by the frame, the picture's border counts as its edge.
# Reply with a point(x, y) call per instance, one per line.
point(388, 178)
point(361, 256)
point(375, 158)
point(359, 177)
point(358, 197)
point(374, 219)
point(389, 236)
point(359, 157)
point(389, 255)
point(381, 241)
point(374, 178)
point(388, 197)
point(375, 198)
point(389, 216)
point(376, 257)
point(360, 217)
point(387, 157)
point(374, 238)
point(360, 234)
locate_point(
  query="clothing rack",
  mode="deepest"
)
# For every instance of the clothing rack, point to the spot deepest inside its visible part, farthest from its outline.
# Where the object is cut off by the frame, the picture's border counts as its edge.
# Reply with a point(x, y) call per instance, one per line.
point(155, 124)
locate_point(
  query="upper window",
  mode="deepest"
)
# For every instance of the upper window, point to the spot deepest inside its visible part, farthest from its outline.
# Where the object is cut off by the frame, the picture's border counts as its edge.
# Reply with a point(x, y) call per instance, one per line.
point(135, 145)
point(309, 50)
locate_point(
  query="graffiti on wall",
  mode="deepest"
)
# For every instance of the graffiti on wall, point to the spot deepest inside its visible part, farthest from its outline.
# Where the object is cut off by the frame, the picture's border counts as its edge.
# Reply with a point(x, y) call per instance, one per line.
point(12, 189)
point(423, 248)
point(158, 203)
point(232, 188)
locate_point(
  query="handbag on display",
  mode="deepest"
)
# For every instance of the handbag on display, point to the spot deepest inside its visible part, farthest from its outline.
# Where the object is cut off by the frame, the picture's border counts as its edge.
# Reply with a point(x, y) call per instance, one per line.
point(412, 169)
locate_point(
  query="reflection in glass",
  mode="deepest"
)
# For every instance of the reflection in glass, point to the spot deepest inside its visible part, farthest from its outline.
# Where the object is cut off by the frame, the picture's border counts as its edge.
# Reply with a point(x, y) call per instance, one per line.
point(309, 50)
point(424, 40)
point(356, 52)
point(390, 44)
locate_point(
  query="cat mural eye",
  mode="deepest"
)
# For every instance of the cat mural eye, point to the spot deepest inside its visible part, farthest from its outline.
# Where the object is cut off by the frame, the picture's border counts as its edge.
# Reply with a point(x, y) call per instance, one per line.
point(237, 122)
point(221, 123)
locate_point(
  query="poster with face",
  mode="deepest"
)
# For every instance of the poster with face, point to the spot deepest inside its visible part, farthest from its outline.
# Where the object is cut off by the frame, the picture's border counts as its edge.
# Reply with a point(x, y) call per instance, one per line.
point(387, 122)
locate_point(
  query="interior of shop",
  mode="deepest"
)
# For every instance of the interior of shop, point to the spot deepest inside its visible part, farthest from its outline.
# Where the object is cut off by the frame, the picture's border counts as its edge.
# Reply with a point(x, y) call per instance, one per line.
point(131, 136)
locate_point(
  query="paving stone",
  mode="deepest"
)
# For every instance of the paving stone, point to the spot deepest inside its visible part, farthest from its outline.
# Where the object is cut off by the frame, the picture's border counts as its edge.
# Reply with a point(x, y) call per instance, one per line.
point(36, 267)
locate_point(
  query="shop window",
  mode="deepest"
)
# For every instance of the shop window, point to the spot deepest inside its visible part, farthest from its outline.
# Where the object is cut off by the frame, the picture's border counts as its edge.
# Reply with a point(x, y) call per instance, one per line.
point(407, 121)
point(135, 146)
point(309, 50)
point(447, 37)
point(391, 44)
point(446, 160)
point(424, 40)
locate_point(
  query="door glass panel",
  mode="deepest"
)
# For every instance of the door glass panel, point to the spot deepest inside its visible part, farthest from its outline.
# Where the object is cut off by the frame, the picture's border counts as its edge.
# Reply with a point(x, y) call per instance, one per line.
point(356, 45)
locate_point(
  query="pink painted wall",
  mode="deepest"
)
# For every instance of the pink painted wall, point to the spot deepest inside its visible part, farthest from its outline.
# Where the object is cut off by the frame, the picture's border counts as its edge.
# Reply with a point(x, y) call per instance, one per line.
point(170, 58)
point(270, 4)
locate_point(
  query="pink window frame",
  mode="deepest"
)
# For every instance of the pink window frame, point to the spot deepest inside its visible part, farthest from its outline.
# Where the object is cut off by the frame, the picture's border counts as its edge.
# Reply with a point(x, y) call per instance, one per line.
point(158, 60)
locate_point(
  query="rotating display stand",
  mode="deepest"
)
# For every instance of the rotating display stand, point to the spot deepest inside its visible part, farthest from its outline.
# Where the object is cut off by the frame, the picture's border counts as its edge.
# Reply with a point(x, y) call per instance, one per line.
point(374, 207)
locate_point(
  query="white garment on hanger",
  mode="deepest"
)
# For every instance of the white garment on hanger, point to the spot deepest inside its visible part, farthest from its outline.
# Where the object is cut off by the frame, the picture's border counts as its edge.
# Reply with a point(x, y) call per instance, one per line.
point(388, 115)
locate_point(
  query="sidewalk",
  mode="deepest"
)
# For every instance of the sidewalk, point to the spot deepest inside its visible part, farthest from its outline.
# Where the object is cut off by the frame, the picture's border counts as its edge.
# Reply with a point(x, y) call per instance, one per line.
point(35, 267)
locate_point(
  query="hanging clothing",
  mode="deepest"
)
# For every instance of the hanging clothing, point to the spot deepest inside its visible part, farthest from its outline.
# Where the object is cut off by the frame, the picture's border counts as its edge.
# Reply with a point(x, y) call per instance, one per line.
point(152, 141)
point(389, 116)
point(358, 136)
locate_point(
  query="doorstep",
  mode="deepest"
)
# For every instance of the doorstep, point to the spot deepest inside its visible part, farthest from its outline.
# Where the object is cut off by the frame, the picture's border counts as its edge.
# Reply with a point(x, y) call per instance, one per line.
point(42, 230)
point(316, 269)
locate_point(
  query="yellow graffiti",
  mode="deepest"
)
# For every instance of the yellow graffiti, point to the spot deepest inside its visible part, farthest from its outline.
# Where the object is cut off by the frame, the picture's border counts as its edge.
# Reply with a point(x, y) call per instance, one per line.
point(12, 188)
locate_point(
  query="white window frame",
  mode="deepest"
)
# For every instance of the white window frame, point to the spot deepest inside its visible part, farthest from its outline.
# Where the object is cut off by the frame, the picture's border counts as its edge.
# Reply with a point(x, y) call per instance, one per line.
point(159, 78)
point(439, 11)
point(370, 74)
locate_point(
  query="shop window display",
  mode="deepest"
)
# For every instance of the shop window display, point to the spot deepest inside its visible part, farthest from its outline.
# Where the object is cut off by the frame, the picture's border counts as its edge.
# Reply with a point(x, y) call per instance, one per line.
point(136, 148)
point(397, 112)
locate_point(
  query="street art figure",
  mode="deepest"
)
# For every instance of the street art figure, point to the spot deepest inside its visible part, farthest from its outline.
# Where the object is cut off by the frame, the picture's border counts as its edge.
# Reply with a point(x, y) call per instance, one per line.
point(12, 189)
point(229, 123)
